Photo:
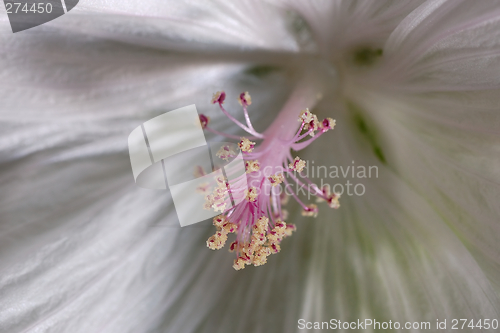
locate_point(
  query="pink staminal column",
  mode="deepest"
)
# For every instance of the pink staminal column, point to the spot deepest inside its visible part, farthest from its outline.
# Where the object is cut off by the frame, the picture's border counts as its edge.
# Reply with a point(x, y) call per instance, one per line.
point(271, 175)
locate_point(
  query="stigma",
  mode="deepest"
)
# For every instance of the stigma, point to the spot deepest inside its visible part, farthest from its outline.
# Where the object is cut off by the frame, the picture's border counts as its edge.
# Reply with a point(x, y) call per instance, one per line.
point(271, 177)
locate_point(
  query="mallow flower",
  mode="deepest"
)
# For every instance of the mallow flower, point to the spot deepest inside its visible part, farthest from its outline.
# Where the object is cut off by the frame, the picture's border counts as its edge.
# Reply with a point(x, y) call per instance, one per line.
point(413, 88)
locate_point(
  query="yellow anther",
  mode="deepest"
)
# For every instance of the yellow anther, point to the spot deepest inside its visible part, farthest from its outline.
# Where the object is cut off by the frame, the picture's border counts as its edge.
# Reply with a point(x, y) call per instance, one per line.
point(305, 116)
point(230, 227)
point(221, 182)
point(275, 247)
point(217, 241)
point(276, 179)
point(225, 152)
point(310, 121)
point(313, 125)
point(218, 97)
point(290, 228)
point(244, 98)
point(297, 165)
point(333, 200)
point(219, 221)
point(252, 166)
point(251, 194)
point(327, 124)
point(260, 256)
point(239, 263)
point(311, 210)
point(246, 145)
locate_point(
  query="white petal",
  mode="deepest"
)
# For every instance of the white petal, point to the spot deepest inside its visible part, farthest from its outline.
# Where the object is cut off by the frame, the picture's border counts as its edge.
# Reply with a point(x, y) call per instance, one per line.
point(341, 26)
point(442, 127)
point(386, 255)
point(82, 248)
point(434, 120)
point(88, 251)
point(445, 46)
point(190, 25)
point(445, 153)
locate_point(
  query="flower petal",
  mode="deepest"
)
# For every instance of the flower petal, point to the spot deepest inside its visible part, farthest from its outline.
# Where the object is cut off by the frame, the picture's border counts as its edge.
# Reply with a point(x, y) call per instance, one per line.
point(386, 255)
point(445, 46)
point(391, 254)
point(342, 26)
point(437, 103)
point(444, 147)
point(82, 248)
point(209, 26)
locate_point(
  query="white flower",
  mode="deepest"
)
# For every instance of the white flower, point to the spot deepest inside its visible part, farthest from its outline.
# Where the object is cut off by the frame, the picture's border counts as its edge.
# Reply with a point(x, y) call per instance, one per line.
point(413, 87)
